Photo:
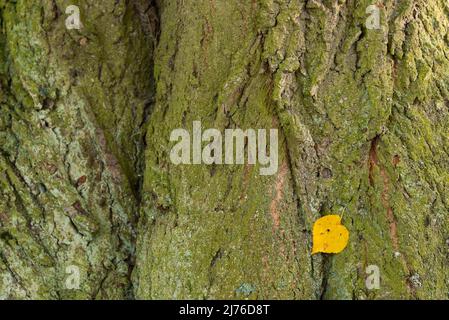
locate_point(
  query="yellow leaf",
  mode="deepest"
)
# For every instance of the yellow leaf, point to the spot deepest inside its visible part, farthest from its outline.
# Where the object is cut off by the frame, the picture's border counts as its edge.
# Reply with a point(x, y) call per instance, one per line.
point(329, 235)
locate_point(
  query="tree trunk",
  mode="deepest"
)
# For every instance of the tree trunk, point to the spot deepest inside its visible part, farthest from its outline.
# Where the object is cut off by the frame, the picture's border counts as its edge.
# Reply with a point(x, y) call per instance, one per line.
point(86, 178)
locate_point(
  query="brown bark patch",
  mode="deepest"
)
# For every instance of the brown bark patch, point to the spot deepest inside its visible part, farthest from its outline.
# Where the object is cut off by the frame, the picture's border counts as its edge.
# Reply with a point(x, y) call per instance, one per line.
point(3, 218)
point(372, 161)
point(390, 215)
point(280, 182)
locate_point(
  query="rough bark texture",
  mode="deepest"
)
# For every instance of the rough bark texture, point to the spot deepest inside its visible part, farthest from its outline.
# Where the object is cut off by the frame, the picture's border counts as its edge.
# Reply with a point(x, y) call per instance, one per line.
point(73, 106)
point(85, 174)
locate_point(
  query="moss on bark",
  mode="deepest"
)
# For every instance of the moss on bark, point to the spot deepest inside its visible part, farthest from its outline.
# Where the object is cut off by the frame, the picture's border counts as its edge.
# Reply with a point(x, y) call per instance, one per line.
point(85, 121)
point(73, 105)
point(363, 116)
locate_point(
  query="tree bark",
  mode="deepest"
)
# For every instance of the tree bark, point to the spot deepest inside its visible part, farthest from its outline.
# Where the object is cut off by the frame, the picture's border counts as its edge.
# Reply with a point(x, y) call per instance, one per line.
point(86, 177)
point(73, 109)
